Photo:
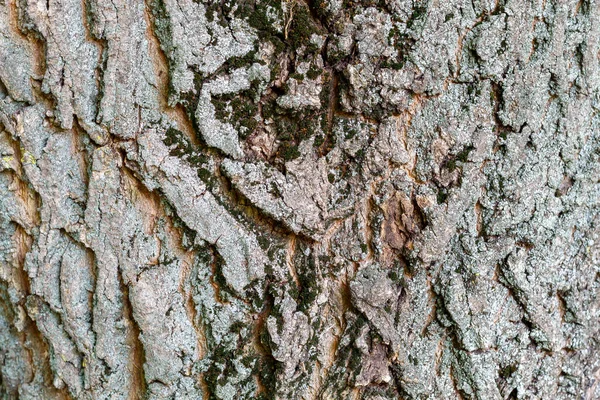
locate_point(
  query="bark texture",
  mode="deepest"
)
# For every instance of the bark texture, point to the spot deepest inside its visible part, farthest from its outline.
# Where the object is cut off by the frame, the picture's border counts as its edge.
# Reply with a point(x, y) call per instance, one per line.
point(299, 199)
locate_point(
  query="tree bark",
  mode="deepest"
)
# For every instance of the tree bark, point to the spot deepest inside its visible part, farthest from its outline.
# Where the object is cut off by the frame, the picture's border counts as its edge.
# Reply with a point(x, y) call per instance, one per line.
point(299, 199)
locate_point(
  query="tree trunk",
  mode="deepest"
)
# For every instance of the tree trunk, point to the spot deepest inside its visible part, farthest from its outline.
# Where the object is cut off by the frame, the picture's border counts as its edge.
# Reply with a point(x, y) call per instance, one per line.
point(299, 199)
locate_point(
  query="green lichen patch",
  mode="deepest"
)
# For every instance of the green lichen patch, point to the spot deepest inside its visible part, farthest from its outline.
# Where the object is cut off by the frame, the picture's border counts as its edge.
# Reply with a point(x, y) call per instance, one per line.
point(307, 272)
point(418, 16)
point(267, 17)
point(301, 28)
point(404, 43)
point(238, 110)
point(180, 146)
point(292, 128)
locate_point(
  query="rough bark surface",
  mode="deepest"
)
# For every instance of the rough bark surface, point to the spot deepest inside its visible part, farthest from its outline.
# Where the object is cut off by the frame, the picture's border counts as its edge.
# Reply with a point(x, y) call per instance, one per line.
point(299, 199)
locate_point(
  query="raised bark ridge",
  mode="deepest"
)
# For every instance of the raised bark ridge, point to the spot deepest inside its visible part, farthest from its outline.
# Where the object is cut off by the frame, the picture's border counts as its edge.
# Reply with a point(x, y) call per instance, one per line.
point(299, 199)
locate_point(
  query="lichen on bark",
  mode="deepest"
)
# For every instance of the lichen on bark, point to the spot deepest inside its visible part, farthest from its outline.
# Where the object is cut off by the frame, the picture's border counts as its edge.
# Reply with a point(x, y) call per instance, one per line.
point(299, 199)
